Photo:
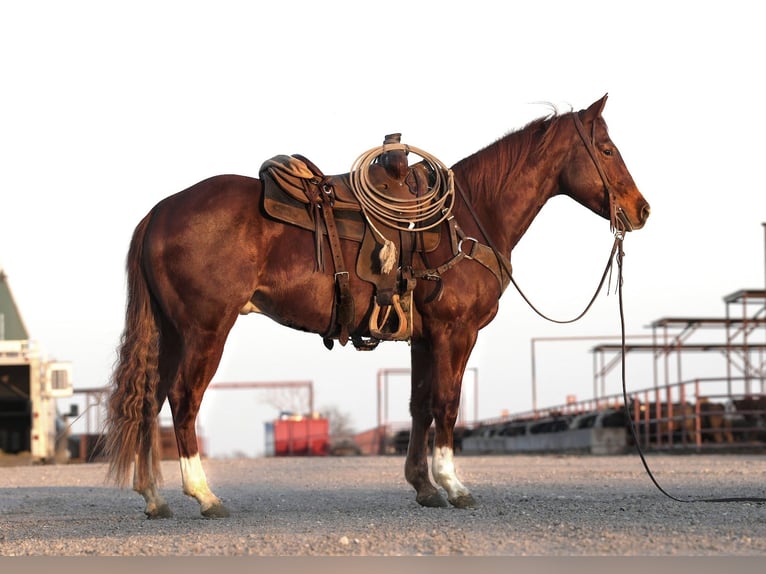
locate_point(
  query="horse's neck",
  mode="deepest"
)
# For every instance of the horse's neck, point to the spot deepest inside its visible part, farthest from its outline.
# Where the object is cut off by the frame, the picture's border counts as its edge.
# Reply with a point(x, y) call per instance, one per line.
point(514, 204)
point(523, 200)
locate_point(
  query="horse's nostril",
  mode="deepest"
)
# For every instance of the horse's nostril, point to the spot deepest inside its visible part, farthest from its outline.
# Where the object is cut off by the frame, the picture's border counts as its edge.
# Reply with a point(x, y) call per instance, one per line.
point(645, 211)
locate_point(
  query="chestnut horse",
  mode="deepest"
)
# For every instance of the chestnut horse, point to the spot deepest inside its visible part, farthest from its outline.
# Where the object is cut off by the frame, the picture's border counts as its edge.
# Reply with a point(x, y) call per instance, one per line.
point(207, 254)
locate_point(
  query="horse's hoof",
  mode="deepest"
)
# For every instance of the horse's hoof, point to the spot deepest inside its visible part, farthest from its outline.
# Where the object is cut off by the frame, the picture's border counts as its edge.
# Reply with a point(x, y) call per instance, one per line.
point(463, 501)
point(433, 500)
point(161, 511)
point(216, 511)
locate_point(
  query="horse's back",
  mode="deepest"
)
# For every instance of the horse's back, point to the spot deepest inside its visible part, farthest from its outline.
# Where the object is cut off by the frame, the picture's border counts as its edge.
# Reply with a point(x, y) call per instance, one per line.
point(219, 192)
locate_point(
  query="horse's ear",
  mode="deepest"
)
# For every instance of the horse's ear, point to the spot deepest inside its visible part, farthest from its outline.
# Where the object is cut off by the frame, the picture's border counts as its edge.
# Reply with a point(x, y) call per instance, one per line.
point(596, 108)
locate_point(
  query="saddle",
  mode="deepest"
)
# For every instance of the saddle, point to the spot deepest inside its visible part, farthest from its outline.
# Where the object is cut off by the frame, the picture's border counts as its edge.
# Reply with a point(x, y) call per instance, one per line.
point(298, 193)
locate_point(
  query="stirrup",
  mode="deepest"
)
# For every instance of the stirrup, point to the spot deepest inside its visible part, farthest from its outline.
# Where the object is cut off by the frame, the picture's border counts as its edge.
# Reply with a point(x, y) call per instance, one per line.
point(376, 328)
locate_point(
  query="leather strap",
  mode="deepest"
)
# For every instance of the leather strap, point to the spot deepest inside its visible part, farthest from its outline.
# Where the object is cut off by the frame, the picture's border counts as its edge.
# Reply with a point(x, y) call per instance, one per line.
point(617, 221)
point(479, 252)
point(344, 314)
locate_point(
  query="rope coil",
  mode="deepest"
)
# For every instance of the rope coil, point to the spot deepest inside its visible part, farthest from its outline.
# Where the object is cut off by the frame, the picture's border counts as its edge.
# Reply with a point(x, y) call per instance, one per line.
point(416, 214)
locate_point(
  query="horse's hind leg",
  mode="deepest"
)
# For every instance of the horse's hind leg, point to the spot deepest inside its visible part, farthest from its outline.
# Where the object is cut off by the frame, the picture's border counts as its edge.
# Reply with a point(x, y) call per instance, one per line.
point(156, 507)
point(146, 470)
point(146, 477)
point(148, 484)
point(200, 359)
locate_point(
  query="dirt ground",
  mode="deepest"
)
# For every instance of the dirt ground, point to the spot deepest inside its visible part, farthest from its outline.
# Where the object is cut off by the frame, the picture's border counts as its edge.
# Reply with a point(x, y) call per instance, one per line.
point(548, 506)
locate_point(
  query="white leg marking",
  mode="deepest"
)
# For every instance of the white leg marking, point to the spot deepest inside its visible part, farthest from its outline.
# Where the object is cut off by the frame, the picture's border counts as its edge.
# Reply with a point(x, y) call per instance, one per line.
point(443, 468)
point(195, 482)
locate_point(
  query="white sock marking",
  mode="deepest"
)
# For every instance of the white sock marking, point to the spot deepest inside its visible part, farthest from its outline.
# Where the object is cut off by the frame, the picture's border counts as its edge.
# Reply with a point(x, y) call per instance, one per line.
point(443, 468)
point(195, 482)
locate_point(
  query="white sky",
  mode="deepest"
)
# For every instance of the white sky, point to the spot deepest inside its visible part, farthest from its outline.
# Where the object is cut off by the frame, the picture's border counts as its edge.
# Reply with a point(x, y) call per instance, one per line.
point(106, 108)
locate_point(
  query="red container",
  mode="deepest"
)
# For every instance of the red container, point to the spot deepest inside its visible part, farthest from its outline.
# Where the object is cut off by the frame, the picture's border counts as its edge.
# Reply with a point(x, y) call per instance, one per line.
point(301, 437)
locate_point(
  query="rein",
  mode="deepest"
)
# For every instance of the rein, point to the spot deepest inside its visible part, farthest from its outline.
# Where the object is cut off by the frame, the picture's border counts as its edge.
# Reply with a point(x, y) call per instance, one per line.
point(620, 255)
point(619, 224)
point(507, 267)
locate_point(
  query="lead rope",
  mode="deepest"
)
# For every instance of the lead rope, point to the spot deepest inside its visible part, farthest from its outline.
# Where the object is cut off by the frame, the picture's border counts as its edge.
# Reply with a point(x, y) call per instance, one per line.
point(620, 255)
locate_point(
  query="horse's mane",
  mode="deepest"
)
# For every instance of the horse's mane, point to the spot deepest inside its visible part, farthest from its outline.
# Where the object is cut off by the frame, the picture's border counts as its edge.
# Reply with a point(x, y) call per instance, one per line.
point(486, 171)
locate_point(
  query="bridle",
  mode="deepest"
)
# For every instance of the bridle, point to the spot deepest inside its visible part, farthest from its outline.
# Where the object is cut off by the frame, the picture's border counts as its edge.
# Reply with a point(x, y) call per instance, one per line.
point(618, 221)
point(618, 224)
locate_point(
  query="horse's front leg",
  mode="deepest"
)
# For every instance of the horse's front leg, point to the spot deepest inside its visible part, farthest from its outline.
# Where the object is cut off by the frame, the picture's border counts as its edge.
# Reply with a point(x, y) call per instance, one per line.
point(451, 349)
point(437, 374)
point(416, 464)
point(443, 466)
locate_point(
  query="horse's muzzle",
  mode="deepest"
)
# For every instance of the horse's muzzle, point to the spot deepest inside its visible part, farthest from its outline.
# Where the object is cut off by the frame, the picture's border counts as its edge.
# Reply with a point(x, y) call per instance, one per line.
point(628, 225)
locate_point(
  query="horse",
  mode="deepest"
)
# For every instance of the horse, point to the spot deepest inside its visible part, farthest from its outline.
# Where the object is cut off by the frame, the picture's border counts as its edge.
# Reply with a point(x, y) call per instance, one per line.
point(204, 256)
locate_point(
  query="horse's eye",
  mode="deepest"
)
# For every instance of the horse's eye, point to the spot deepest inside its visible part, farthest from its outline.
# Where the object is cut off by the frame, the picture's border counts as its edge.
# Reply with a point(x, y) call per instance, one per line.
point(608, 152)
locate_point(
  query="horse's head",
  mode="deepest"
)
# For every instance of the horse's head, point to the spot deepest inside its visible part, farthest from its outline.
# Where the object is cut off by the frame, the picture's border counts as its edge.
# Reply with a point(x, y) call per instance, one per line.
point(596, 175)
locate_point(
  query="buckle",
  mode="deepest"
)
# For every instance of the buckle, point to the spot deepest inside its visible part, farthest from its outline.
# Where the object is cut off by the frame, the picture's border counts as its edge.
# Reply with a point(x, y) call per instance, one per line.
point(473, 247)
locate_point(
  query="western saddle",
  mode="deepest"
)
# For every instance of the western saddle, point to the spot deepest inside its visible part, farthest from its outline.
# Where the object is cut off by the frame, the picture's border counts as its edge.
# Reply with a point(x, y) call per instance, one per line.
point(298, 193)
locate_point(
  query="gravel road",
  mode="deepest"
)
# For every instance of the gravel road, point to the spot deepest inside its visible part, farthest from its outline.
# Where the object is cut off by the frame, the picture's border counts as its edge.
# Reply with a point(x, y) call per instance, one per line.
point(361, 506)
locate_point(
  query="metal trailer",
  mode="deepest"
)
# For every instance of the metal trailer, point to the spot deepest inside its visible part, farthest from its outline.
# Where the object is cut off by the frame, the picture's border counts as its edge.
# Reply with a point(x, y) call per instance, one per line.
point(29, 387)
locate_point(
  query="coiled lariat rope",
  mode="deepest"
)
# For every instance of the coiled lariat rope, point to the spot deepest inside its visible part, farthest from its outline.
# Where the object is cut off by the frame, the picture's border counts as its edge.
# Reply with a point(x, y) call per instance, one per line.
point(419, 213)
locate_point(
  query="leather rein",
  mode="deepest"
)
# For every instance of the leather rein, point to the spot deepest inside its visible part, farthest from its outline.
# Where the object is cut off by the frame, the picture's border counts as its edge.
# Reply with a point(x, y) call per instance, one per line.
point(619, 224)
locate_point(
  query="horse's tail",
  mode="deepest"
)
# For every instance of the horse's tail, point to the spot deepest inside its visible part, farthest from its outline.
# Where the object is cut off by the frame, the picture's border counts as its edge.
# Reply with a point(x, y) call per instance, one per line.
point(131, 426)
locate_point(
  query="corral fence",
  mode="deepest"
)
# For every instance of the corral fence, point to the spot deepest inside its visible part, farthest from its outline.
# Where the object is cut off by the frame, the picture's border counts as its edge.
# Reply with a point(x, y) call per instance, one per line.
point(700, 415)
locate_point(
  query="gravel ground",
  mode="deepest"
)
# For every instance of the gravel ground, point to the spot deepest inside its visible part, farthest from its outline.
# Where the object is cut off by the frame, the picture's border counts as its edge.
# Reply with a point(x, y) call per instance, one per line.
point(361, 506)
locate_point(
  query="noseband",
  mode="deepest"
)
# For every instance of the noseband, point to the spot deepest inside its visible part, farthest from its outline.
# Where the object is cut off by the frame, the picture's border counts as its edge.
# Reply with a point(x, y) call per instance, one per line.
point(618, 221)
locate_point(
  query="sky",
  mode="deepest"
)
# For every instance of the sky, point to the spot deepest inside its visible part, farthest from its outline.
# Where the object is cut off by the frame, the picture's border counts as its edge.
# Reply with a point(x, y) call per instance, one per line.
point(107, 108)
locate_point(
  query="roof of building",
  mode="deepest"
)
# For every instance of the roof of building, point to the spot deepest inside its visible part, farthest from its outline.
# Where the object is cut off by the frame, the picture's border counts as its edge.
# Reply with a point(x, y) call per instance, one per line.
point(12, 326)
